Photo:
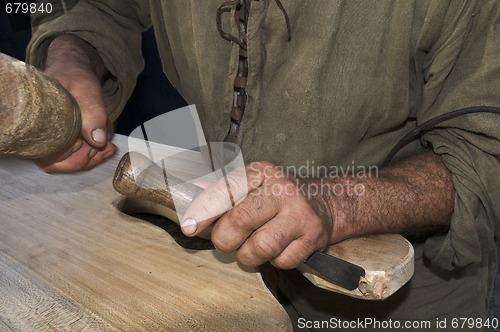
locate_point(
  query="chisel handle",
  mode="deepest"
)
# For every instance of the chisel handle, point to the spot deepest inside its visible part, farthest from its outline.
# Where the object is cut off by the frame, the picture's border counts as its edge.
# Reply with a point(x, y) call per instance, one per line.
point(137, 176)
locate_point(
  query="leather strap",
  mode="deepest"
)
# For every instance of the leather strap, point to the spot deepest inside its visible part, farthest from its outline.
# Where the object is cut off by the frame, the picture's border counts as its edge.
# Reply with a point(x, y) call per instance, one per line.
point(241, 13)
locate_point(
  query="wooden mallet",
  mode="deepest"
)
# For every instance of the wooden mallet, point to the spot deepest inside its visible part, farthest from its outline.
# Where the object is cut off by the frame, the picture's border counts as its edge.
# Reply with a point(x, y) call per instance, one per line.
point(38, 116)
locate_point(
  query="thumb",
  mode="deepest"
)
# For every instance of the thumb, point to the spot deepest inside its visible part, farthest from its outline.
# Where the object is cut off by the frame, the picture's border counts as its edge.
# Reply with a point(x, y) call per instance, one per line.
point(214, 201)
point(95, 123)
point(94, 120)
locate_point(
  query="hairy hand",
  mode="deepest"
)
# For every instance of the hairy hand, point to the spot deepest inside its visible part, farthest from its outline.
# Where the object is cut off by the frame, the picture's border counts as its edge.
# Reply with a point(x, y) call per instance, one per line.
point(272, 221)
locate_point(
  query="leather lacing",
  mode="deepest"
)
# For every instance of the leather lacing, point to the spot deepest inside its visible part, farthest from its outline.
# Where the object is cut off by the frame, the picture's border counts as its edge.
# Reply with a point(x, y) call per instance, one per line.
point(242, 10)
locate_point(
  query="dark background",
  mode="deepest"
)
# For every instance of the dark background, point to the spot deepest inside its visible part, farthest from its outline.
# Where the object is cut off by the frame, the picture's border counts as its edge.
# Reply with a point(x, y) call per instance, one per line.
point(153, 96)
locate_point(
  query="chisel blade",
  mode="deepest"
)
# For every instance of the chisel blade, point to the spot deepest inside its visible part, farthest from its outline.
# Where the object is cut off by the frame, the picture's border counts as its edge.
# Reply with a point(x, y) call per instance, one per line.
point(336, 270)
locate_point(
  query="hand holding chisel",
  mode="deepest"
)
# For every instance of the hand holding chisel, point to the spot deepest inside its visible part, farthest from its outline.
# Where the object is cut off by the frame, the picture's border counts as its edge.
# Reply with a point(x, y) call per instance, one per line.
point(145, 180)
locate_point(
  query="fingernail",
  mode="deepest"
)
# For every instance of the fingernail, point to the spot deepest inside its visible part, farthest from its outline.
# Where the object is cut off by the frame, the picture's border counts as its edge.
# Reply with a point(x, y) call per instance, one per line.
point(92, 153)
point(99, 136)
point(189, 226)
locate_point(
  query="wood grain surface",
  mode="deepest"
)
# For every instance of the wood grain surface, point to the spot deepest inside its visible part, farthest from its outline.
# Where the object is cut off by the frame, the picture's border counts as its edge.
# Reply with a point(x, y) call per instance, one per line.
point(71, 260)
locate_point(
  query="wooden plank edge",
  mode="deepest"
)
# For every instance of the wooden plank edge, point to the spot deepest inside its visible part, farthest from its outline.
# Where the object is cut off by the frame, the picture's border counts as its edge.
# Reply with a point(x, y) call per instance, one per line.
point(376, 285)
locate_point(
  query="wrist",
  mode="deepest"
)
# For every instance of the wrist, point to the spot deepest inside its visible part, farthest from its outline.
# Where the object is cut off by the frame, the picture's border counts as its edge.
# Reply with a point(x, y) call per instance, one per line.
point(328, 198)
point(343, 202)
point(68, 51)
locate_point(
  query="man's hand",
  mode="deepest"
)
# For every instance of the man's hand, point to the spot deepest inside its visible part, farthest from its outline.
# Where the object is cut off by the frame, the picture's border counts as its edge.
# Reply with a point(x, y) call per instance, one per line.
point(273, 222)
point(284, 220)
point(76, 65)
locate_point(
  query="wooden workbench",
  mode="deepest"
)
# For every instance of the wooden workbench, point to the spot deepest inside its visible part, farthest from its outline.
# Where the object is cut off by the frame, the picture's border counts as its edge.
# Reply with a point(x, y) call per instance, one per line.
point(71, 260)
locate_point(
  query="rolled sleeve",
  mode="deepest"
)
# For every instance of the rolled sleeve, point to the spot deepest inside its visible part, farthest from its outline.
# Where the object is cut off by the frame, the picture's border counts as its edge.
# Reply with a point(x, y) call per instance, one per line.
point(465, 72)
point(112, 27)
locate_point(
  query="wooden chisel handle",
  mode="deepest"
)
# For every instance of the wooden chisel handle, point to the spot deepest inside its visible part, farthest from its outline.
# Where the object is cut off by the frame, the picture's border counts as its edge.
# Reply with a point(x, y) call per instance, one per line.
point(38, 117)
point(137, 176)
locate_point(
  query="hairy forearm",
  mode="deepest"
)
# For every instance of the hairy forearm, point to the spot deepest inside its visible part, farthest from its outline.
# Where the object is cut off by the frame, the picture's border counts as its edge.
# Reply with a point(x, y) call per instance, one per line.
point(415, 196)
point(69, 48)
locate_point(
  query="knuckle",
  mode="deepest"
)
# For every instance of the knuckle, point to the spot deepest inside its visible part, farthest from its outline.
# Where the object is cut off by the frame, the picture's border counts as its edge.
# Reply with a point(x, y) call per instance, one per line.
point(308, 244)
point(280, 238)
point(257, 202)
point(242, 217)
point(222, 246)
point(254, 175)
point(259, 169)
point(264, 249)
point(247, 259)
